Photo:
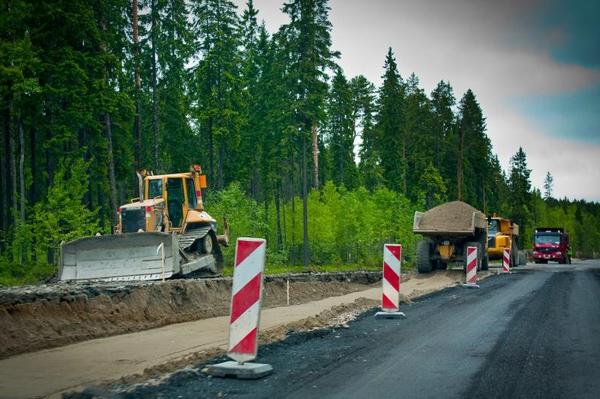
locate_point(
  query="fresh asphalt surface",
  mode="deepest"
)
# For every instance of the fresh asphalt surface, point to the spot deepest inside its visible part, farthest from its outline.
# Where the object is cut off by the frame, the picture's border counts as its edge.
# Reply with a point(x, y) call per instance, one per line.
point(532, 334)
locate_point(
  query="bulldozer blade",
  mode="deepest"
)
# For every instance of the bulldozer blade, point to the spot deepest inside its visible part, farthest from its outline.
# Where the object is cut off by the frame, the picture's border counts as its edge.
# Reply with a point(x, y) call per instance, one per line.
point(120, 257)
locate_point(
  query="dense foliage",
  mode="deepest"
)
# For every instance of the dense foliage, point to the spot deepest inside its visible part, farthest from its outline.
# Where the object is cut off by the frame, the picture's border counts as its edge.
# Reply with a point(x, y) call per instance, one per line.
point(90, 91)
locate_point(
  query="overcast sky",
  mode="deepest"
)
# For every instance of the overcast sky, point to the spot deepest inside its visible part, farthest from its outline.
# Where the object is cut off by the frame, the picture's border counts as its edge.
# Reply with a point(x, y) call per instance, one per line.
point(533, 65)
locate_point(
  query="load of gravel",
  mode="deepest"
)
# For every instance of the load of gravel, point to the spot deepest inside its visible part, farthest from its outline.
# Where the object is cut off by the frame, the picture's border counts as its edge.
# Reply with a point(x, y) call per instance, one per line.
point(455, 216)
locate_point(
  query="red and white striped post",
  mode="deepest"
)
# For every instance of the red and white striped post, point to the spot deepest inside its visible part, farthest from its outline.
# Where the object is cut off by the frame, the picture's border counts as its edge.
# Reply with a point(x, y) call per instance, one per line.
point(390, 297)
point(244, 318)
point(471, 268)
point(506, 261)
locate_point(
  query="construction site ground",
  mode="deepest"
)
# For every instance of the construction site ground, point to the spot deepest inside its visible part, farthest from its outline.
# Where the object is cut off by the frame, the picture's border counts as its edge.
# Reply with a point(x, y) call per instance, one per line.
point(149, 330)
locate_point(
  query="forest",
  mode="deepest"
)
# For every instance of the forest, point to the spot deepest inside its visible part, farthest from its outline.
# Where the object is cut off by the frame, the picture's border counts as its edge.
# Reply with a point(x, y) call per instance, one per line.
point(326, 166)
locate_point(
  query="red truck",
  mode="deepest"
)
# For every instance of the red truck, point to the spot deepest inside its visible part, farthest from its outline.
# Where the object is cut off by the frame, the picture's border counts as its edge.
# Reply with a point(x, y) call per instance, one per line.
point(551, 243)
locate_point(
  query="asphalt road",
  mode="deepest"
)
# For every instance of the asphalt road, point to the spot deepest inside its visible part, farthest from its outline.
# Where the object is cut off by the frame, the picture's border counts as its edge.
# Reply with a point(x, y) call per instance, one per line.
point(532, 334)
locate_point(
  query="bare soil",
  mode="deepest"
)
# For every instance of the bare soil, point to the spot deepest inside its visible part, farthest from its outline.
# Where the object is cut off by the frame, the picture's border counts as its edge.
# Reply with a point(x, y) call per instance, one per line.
point(152, 353)
point(451, 216)
point(45, 316)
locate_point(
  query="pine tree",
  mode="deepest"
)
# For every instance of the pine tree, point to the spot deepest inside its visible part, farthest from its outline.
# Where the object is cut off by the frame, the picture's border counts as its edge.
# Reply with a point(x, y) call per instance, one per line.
point(520, 188)
point(308, 41)
point(432, 187)
point(254, 43)
point(474, 151)
point(418, 131)
point(341, 131)
point(392, 141)
point(548, 186)
point(444, 122)
point(218, 87)
point(363, 98)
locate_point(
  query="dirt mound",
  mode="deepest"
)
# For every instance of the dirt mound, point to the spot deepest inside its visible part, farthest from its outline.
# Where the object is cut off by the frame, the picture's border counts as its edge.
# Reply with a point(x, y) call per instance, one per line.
point(451, 216)
point(38, 317)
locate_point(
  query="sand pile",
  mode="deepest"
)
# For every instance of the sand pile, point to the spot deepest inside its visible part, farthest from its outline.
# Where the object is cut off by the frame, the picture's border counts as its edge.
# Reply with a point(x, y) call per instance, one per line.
point(451, 216)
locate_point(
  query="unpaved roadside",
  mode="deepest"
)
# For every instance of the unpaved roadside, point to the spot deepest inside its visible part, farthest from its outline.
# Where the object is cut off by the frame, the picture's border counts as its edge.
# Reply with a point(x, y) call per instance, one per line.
point(47, 316)
point(50, 372)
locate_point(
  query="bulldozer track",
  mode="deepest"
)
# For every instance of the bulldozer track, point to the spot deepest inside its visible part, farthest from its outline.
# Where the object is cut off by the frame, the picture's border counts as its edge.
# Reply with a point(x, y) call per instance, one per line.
point(187, 239)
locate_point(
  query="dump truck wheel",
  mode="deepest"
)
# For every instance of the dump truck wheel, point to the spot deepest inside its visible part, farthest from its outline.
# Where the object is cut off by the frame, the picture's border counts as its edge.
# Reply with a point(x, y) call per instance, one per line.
point(485, 263)
point(514, 254)
point(424, 256)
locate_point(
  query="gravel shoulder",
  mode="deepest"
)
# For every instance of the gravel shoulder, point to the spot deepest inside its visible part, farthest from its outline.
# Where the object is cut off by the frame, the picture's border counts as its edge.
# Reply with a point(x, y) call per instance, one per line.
point(46, 316)
point(532, 334)
point(141, 355)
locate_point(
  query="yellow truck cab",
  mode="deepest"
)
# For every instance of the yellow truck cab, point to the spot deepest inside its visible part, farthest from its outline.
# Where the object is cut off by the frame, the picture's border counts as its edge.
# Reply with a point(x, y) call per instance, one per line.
point(503, 234)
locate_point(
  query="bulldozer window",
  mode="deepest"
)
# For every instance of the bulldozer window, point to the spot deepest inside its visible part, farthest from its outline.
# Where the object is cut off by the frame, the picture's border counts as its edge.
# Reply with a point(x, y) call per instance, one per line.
point(155, 188)
point(175, 201)
point(191, 193)
point(493, 227)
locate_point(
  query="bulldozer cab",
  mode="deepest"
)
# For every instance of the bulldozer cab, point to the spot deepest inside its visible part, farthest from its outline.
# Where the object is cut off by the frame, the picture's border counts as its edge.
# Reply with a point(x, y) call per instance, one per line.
point(179, 193)
point(493, 227)
point(176, 201)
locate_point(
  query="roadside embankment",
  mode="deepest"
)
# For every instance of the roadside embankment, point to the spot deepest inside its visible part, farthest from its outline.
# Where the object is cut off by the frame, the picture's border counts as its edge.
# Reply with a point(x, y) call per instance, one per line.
point(45, 316)
point(153, 353)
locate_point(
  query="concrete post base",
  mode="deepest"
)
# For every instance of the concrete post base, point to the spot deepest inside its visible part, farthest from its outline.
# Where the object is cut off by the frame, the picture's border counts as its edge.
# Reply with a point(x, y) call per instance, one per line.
point(390, 315)
point(468, 285)
point(247, 371)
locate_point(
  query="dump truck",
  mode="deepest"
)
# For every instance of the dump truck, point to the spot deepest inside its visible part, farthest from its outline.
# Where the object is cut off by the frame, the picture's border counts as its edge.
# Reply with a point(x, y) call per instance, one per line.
point(447, 231)
point(503, 234)
point(163, 233)
point(551, 244)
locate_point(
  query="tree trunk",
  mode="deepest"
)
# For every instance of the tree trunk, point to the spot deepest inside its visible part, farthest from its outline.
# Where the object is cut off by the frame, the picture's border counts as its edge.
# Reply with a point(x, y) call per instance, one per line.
point(111, 170)
point(315, 151)
point(304, 203)
point(404, 165)
point(33, 191)
point(154, 87)
point(137, 128)
point(13, 170)
point(484, 200)
point(211, 153)
point(279, 242)
point(221, 163)
point(459, 166)
point(21, 170)
point(6, 173)
point(291, 177)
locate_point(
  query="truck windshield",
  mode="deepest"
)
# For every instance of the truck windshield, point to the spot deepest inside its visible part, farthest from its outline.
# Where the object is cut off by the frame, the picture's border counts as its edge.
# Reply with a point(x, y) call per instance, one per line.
point(492, 227)
point(547, 239)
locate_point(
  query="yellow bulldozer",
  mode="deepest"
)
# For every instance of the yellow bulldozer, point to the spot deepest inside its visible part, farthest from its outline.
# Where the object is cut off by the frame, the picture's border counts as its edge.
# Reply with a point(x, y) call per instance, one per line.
point(163, 233)
point(503, 234)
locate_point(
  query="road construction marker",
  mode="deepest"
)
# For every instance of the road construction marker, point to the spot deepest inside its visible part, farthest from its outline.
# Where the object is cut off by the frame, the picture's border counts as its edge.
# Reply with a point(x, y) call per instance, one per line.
point(471, 268)
point(390, 297)
point(246, 297)
point(506, 261)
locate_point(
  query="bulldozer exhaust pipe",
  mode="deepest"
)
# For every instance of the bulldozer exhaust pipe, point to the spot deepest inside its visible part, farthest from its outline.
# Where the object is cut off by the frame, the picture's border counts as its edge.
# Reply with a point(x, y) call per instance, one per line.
point(224, 238)
point(140, 185)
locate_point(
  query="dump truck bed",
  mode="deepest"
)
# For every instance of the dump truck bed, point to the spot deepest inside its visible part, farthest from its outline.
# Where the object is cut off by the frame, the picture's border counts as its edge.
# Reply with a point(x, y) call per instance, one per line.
point(451, 219)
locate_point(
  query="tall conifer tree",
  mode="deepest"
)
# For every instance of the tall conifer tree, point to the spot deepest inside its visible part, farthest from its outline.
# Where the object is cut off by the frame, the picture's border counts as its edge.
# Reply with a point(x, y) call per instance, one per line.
point(390, 125)
point(308, 36)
